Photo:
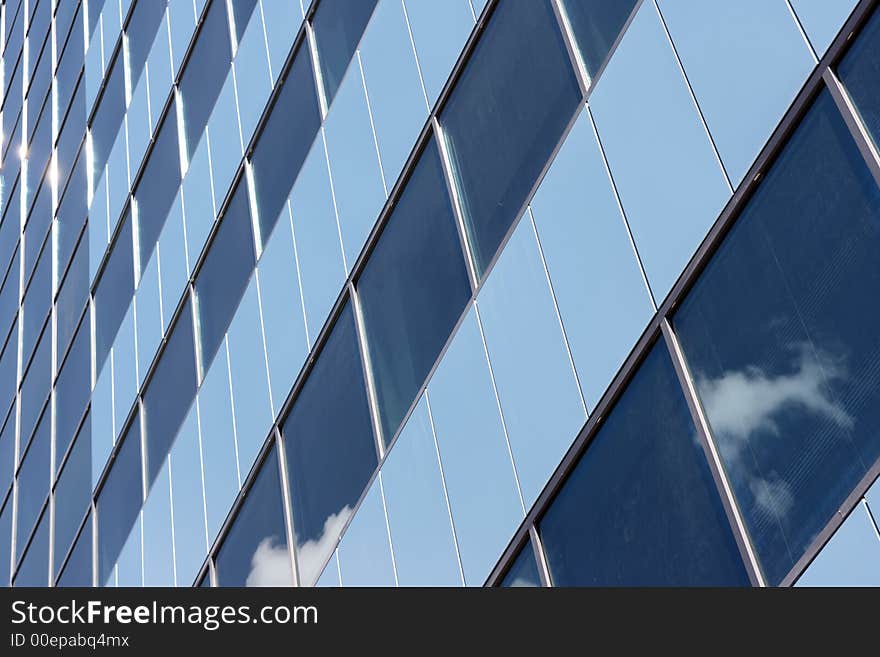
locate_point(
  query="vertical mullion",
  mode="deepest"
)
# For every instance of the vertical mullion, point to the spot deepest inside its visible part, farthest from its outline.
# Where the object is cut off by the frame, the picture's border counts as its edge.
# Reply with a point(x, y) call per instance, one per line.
point(540, 556)
point(288, 507)
point(854, 123)
point(372, 397)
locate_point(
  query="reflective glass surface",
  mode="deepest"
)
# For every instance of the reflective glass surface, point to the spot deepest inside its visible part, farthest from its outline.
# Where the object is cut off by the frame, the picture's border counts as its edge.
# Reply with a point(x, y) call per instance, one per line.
point(524, 571)
point(640, 507)
point(859, 70)
point(329, 448)
point(339, 25)
point(787, 373)
point(364, 552)
point(188, 512)
point(509, 109)
point(822, 19)
point(113, 291)
point(850, 558)
point(596, 24)
point(73, 494)
point(413, 289)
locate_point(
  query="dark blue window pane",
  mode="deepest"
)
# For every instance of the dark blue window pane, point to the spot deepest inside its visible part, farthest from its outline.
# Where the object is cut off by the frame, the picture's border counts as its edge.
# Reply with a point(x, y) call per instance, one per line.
point(285, 141)
point(11, 224)
point(34, 568)
point(33, 480)
point(788, 373)
point(72, 493)
point(330, 449)
point(36, 231)
point(170, 392)
point(95, 7)
point(524, 571)
point(71, 213)
point(72, 296)
point(7, 454)
point(72, 389)
point(255, 552)
point(641, 507)
point(5, 540)
point(413, 289)
point(158, 186)
point(339, 25)
point(225, 272)
point(35, 386)
point(36, 302)
point(69, 65)
point(114, 291)
point(109, 114)
point(205, 73)
point(120, 500)
point(71, 136)
point(141, 30)
point(505, 117)
point(64, 15)
point(859, 71)
point(241, 14)
point(8, 370)
point(78, 569)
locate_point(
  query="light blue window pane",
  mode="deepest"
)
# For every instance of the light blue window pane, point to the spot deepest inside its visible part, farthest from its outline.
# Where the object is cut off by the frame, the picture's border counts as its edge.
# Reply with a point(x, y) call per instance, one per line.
point(103, 433)
point(439, 30)
point(364, 552)
point(117, 178)
point(282, 18)
point(321, 266)
point(285, 330)
point(198, 201)
point(357, 179)
point(225, 140)
point(172, 261)
point(125, 382)
point(252, 77)
point(159, 70)
point(330, 576)
point(98, 227)
point(182, 21)
point(822, 19)
point(158, 549)
point(94, 67)
point(190, 542)
point(480, 481)
point(139, 124)
point(669, 180)
point(149, 317)
point(850, 558)
point(393, 84)
point(130, 567)
point(112, 25)
point(418, 517)
point(746, 61)
point(601, 295)
point(539, 394)
point(218, 443)
point(250, 382)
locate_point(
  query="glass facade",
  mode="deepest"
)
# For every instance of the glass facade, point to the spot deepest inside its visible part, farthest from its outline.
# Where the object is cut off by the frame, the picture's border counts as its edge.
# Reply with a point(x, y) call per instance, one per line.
point(404, 292)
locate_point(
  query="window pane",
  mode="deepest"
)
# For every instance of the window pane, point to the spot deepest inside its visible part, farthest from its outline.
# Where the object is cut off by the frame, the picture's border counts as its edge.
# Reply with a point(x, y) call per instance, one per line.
point(34, 567)
point(787, 373)
point(157, 532)
point(330, 449)
point(113, 291)
point(596, 24)
point(141, 31)
point(339, 25)
point(413, 289)
point(285, 140)
point(78, 569)
point(255, 552)
point(364, 552)
point(5, 541)
point(157, 186)
point(859, 71)
point(225, 272)
point(524, 571)
point(190, 540)
point(120, 499)
point(108, 115)
point(73, 492)
point(170, 392)
point(72, 389)
point(822, 19)
point(640, 507)
point(205, 72)
point(508, 111)
point(33, 480)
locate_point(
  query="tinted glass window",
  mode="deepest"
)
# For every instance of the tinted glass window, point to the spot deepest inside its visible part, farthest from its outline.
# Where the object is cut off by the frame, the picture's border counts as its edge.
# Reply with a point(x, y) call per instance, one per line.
point(225, 272)
point(170, 392)
point(35, 386)
point(72, 296)
point(339, 25)
point(596, 24)
point(113, 291)
point(72, 390)
point(787, 373)
point(413, 289)
point(72, 493)
point(860, 69)
point(241, 14)
point(504, 119)
point(641, 508)
point(5, 540)
point(33, 480)
point(78, 569)
point(141, 30)
point(120, 499)
point(330, 449)
point(255, 552)
point(524, 571)
point(285, 141)
point(205, 73)
point(108, 115)
point(158, 186)
point(34, 568)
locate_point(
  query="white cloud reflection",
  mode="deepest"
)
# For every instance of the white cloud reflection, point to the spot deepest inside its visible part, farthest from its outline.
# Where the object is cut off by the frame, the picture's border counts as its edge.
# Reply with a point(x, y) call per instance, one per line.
point(312, 554)
point(270, 564)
